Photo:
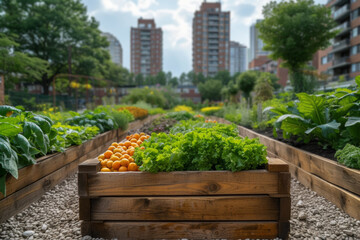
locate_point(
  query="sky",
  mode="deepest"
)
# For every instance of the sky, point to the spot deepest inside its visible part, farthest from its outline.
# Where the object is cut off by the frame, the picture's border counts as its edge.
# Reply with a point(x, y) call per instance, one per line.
point(175, 19)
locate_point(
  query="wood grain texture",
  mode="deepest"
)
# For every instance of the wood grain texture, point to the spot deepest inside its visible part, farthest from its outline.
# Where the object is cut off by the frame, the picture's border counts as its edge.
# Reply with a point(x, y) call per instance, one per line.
point(22, 198)
point(90, 166)
point(348, 202)
point(277, 165)
point(324, 168)
point(47, 165)
point(222, 208)
point(178, 230)
point(182, 183)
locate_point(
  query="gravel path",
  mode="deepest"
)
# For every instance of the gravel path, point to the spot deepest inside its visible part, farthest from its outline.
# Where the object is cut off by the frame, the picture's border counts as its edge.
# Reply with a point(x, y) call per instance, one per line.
point(55, 216)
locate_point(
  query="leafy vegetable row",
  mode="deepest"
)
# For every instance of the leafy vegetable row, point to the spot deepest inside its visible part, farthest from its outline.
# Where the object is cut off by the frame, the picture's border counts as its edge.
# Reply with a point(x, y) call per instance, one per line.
point(201, 146)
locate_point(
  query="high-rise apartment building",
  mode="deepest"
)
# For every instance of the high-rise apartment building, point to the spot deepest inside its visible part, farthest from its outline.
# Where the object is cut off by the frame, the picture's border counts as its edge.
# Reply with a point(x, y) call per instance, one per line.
point(114, 48)
point(341, 61)
point(146, 48)
point(238, 53)
point(211, 39)
point(256, 43)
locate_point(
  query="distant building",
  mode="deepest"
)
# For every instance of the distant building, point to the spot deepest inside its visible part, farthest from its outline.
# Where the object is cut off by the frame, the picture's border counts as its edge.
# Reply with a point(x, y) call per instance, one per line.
point(211, 39)
point(146, 48)
point(256, 43)
point(238, 55)
point(341, 61)
point(189, 92)
point(114, 48)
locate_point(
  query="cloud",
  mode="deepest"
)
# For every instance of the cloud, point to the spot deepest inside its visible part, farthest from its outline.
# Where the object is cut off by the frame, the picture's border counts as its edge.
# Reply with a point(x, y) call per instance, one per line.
point(245, 10)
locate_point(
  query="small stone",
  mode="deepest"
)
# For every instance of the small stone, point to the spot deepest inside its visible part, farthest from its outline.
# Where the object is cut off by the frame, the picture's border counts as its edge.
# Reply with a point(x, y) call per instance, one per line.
point(302, 216)
point(349, 232)
point(315, 212)
point(300, 203)
point(332, 223)
point(87, 237)
point(31, 238)
point(28, 233)
point(28, 227)
point(44, 227)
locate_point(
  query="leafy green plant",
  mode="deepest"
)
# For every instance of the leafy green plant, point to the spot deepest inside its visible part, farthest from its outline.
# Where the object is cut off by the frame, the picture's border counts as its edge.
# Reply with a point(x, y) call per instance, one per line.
point(204, 147)
point(182, 115)
point(349, 156)
point(75, 135)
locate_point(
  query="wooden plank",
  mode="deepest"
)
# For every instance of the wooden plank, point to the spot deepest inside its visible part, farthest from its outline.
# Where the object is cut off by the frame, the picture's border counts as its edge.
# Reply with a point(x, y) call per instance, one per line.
point(22, 198)
point(90, 166)
point(178, 230)
point(346, 201)
point(324, 168)
point(182, 183)
point(248, 208)
point(30, 174)
point(277, 165)
point(85, 208)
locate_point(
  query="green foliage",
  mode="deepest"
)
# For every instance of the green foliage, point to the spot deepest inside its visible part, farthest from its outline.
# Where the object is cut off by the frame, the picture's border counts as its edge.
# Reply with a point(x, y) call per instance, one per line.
point(155, 111)
point(200, 146)
point(332, 118)
point(263, 89)
point(246, 82)
point(294, 30)
point(210, 90)
point(349, 156)
point(75, 135)
point(182, 115)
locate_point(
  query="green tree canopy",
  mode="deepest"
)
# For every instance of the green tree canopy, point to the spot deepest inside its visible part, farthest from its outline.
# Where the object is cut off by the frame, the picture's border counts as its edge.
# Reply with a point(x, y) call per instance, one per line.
point(47, 28)
point(223, 76)
point(19, 63)
point(246, 82)
point(294, 30)
point(160, 78)
point(263, 88)
point(139, 79)
point(210, 90)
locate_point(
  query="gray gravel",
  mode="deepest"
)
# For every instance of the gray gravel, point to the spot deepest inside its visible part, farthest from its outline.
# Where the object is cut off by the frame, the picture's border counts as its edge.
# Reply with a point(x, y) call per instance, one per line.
point(55, 216)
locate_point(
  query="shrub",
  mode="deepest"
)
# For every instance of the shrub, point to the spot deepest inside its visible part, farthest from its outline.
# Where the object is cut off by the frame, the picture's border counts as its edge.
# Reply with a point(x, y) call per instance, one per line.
point(138, 113)
point(180, 108)
point(210, 110)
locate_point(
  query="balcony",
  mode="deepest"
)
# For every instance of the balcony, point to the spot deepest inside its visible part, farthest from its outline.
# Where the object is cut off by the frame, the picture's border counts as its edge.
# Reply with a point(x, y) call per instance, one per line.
point(213, 46)
point(338, 2)
point(213, 29)
point(341, 45)
point(213, 23)
point(341, 12)
point(340, 62)
point(343, 28)
point(213, 36)
point(213, 41)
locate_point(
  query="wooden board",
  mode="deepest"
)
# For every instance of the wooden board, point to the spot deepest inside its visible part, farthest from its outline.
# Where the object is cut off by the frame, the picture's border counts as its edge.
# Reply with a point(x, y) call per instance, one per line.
point(348, 202)
point(329, 170)
point(178, 230)
point(44, 167)
point(21, 199)
point(220, 208)
point(182, 183)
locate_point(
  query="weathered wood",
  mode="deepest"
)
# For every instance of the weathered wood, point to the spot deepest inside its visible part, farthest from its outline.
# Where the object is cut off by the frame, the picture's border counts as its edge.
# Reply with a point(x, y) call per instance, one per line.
point(84, 206)
point(182, 183)
point(284, 230)
point(90, 166)
point(277, 165)
point(178, 230)
point(248, 208)
point(22, 198)
point(30, 174)
point(348, 202)
point(326, 169)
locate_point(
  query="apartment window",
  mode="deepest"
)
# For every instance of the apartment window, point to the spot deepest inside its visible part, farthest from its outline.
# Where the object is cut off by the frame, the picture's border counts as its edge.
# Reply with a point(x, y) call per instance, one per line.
point(324, 60)
point(355, 14)
point(355, 67)
point(355, 32)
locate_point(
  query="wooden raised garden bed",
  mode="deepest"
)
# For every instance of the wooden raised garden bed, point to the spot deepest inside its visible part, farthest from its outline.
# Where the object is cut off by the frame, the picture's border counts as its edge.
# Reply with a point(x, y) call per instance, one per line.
point(193, 204)
point(337, 183)
point(50, 170)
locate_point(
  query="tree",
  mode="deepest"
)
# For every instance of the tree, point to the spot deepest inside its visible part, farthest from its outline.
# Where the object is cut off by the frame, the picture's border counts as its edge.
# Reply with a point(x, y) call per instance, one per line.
point(263, 89)
point(182, 79)
point(293, 31)
point(139, 80)
point(160, 78)
point(117, 74)
point(210, 90)
point(174, 82)
point(246, 82)
point(223, 76)
point(46, 29)
point(19, 63)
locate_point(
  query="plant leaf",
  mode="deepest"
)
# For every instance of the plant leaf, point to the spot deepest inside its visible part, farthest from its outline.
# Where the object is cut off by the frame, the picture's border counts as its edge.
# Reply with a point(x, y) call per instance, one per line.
point(9, 130)
point(39, 137)
point(5, 109)
point(326, 130)
point(312, 107)
point(293, 124)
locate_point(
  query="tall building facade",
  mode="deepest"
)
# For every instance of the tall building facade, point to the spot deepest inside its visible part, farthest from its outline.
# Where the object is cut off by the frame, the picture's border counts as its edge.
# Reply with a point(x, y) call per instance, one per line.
point(114, 48)
point(256, 43)
point(238, 55)
point(341, 61)
point(146, 48)
point(211, 39)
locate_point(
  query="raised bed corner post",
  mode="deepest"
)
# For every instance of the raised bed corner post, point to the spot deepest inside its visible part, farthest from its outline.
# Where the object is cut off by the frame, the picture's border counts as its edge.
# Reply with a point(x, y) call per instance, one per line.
point(91, 166)
point(284, 176)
